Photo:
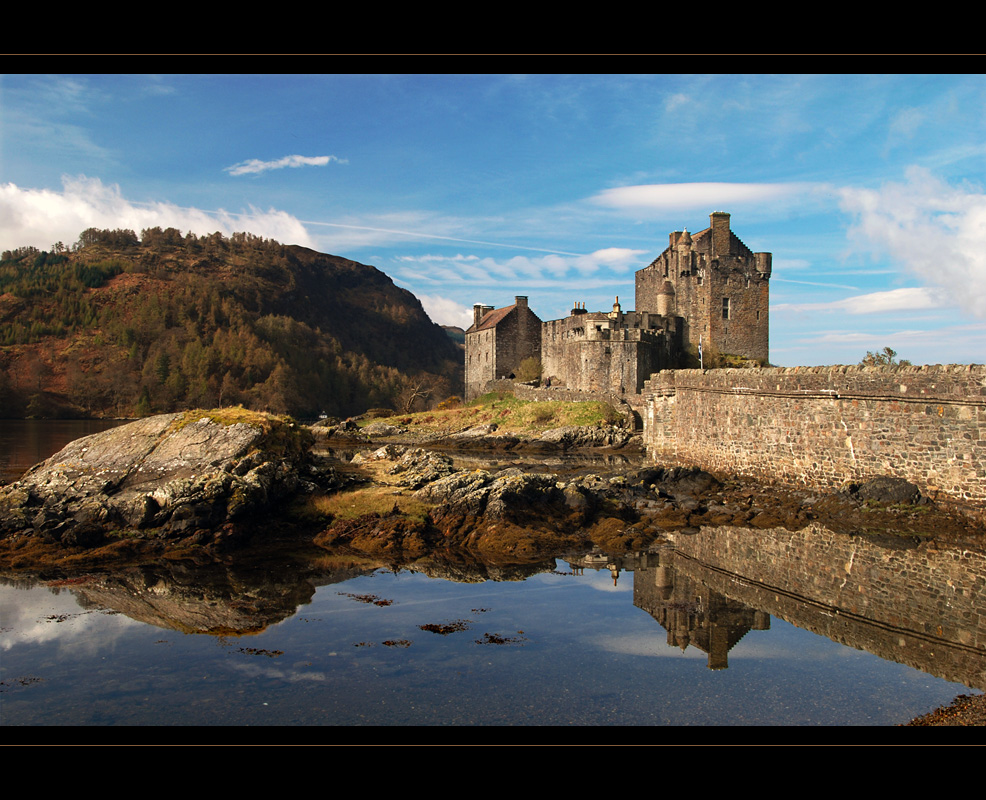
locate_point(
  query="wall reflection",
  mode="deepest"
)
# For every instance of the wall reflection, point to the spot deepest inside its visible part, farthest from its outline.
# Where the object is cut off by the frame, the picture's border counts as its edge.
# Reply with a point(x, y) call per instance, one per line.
point(914, 603)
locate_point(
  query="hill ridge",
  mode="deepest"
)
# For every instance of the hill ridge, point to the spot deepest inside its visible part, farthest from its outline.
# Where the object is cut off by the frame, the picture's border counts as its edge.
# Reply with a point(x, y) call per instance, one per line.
point(121, 325)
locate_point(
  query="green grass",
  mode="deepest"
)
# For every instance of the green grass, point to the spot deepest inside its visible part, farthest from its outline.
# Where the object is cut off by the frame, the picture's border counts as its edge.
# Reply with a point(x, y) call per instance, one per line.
point(510, 414)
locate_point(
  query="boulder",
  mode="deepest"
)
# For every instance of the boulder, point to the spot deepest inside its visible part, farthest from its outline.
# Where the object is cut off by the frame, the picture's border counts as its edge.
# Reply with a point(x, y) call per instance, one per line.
point(510, 494)
point(578, 436)
point(885, 489)
point(418, 467)
point(174, 472)
point(383, 429)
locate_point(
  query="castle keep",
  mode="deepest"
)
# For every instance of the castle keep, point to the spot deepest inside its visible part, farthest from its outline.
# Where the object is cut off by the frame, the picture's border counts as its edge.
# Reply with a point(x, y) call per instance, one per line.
point(716, 285)
point(706, 290)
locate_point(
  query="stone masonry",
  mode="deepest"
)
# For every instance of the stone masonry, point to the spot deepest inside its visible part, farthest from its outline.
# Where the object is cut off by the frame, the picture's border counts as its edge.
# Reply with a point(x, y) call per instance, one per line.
point(827, 426)
point(707, 289)
point(717, 285)
point(498, 341)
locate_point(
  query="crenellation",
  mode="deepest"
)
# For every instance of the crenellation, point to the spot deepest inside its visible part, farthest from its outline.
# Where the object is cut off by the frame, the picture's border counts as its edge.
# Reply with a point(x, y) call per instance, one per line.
point(706, 290)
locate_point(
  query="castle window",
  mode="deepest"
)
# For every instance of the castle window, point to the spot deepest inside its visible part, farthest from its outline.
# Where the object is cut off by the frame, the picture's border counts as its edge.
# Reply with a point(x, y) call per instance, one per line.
point(725, 308)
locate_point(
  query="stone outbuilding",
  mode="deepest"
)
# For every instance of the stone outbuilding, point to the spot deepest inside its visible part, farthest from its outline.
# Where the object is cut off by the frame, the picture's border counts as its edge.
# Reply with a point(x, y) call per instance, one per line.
point(498, 341)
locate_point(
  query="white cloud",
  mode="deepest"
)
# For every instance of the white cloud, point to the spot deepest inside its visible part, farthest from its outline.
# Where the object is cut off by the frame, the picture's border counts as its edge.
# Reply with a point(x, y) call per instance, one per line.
point(934, 231)
point(41, 217)
point(254, 165)
point(911, 299)
point(684, 196)
point(620, 259)
point(444, 311)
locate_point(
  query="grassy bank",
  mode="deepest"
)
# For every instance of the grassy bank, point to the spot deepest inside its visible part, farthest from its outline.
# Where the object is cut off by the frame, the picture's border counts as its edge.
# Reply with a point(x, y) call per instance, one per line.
point(511, 415)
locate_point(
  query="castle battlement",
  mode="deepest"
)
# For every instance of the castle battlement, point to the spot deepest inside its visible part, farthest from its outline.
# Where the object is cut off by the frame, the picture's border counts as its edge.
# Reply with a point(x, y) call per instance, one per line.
point(706, 289)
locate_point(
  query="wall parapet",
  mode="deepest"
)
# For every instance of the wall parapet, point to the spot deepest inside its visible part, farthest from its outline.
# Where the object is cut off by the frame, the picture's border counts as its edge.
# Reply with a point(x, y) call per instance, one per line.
point(826, 426)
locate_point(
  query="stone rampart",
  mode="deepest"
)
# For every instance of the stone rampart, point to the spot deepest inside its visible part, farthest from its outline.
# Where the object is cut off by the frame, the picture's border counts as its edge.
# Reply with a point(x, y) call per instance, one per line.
point(826, 426)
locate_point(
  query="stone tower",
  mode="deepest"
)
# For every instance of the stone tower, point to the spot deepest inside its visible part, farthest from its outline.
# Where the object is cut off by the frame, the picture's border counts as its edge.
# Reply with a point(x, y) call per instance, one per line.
point(717, 285)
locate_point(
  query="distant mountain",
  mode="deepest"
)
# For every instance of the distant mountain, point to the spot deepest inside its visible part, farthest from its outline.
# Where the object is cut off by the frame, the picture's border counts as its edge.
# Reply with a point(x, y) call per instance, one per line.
point(121, 325)
point(456, 334)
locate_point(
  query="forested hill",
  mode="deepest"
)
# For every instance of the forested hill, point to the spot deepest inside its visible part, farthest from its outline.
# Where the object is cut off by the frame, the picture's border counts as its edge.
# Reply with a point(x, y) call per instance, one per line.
point(124, 325)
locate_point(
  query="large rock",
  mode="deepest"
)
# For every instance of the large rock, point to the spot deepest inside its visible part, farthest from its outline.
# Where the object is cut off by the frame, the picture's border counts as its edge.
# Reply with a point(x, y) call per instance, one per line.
point(510, 494)
point(173, 472)
point(579, 436)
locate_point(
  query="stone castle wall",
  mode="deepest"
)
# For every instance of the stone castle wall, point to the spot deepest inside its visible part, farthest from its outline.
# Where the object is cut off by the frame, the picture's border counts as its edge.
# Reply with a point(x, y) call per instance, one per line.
point(612, 353)
point(826, 426)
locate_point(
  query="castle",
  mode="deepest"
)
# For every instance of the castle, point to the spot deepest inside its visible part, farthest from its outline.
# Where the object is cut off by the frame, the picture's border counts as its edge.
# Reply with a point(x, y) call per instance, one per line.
point(706, 291)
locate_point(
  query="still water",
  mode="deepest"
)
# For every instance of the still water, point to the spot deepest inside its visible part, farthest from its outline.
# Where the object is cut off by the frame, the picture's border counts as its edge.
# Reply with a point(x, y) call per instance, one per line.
point(703, 630)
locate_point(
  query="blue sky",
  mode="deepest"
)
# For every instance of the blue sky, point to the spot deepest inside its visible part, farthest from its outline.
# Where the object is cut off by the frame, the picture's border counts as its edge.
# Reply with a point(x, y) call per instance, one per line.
point(868, 189)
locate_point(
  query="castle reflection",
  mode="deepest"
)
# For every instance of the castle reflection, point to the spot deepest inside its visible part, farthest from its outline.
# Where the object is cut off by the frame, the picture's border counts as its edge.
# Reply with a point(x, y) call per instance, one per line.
point(903, 600)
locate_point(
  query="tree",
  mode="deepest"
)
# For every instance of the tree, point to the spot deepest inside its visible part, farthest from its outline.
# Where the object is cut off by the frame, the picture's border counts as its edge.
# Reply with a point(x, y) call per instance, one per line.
point(528, 370)
point(414, 390)
point(886, 357)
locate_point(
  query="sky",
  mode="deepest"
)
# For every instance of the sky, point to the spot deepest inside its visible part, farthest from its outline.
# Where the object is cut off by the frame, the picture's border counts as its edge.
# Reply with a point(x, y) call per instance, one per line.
point(475, 188)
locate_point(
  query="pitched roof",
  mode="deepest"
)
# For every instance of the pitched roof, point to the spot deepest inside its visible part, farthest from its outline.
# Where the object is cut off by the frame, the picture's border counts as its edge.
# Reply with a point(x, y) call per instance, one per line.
point(492, 319)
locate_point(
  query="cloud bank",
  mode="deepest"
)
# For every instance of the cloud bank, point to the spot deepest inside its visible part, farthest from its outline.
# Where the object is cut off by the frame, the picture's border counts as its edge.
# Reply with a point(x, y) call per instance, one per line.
point(41, 217)
point(254, 166)
point(934, 231)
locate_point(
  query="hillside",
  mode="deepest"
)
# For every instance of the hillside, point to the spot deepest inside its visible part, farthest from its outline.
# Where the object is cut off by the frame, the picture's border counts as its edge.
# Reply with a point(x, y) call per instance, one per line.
point(121, 325)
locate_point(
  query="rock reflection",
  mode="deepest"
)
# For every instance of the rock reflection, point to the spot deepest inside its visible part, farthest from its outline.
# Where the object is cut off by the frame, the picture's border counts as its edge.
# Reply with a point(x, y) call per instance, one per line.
point(227, 599)
point(212, 598)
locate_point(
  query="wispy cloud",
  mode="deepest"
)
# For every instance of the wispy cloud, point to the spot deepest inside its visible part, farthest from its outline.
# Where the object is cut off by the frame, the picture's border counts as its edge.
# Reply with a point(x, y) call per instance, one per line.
point(255, 166)
point(911, 299)
point(553, 270)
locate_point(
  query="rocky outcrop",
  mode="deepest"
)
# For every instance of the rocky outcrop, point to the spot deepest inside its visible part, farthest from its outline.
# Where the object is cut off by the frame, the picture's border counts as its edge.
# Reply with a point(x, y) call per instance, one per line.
point(174, 473)
point(569, 437)
point(579, 436)
point(528, 514)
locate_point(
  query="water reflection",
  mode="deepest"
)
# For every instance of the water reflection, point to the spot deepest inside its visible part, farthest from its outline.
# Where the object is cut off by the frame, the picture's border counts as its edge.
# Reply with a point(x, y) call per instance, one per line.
point(906, 601)
point(913, 604)
point(26, 442)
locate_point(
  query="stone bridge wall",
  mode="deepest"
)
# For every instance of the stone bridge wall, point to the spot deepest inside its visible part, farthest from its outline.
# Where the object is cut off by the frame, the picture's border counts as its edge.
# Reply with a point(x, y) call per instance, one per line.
point(826, 426)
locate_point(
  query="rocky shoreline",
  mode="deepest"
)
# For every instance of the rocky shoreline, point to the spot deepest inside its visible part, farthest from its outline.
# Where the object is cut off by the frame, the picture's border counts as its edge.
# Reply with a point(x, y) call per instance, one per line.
point(211, 482)
point(217, 478)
